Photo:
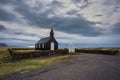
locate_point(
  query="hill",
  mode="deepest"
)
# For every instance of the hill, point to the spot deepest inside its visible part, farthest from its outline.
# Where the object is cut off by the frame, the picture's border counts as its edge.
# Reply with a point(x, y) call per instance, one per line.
point(3, 45)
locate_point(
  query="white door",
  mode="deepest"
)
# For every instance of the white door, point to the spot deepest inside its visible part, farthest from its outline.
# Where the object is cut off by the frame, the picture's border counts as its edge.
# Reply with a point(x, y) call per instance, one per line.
point(52, 46)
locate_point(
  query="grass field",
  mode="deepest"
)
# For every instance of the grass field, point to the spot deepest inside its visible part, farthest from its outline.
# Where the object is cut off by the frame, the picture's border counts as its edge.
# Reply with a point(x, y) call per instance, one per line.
point(27, 64)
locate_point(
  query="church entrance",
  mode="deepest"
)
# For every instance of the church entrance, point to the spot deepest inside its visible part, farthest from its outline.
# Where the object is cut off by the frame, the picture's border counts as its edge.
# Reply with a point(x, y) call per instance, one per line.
point(52, 46)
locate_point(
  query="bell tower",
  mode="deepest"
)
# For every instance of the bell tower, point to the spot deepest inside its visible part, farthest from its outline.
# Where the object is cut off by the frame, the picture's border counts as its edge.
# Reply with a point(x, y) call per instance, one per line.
point(51, 33)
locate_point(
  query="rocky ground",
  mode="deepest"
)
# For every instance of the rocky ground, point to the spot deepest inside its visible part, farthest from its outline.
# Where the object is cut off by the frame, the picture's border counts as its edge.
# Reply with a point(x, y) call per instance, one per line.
point(82, 67)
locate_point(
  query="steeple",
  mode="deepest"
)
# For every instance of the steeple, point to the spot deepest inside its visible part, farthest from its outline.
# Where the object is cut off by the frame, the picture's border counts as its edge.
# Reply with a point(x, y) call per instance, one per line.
point(51, 33)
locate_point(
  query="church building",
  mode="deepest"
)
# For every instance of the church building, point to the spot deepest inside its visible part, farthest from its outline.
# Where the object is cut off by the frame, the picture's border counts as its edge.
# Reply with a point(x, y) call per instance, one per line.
point(47, 43)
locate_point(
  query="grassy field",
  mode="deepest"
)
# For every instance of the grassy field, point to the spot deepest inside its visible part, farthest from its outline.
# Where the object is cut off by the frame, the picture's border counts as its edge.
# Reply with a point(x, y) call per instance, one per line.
point(25, 65)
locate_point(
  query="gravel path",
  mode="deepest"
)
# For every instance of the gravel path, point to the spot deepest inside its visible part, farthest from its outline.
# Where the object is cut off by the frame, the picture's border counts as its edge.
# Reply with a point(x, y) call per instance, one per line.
point(82, 67)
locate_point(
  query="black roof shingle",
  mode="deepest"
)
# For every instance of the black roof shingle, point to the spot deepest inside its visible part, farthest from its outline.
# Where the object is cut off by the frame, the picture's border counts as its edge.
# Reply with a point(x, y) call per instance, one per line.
point(44, 40)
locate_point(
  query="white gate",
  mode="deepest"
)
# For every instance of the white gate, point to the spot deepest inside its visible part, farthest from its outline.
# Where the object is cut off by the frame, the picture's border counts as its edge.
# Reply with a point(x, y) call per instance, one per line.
point(52, 47)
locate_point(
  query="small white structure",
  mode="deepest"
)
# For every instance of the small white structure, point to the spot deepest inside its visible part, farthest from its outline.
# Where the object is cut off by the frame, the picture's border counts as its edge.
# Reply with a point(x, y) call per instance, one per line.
point(71, 48)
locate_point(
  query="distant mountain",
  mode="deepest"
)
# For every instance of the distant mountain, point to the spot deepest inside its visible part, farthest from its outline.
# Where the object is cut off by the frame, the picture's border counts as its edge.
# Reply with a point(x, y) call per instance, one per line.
point(3, 45)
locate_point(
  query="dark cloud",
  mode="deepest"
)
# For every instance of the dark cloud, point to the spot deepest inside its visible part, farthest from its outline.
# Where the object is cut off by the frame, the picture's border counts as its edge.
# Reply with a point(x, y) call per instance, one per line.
point(56, 4)
point(71, 12)
point(116, 4)
point(9, 39)
point(6, 1)
point(2, 28)
point(110, 2)
point(69, 25)
point(116, 9)
point(26, 34)
point(98, 23)
point(98, 15)
point(81, 3)
point(20, 43)
point(76, 25)
point(116, 28)
point(38, 16)
point(6, 16)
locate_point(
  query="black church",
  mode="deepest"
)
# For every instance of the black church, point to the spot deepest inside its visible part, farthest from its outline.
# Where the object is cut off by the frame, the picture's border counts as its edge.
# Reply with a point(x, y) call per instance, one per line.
point(47, 43)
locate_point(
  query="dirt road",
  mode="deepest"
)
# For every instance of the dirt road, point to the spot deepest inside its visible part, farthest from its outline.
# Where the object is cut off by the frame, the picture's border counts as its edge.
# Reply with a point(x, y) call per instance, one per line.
point(82, 67)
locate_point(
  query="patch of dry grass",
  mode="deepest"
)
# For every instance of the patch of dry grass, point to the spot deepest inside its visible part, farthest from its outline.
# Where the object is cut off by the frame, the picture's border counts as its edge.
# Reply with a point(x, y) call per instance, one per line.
point(23, 50)
point(24, 65)
point(4, 54)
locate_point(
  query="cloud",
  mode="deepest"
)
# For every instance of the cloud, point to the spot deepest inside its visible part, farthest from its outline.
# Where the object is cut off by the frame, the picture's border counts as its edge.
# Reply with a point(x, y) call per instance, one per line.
point(6, 1)
point(2, 28)
point(116, 29)
point(5, 16)
point(40, 18)
point(27, 34)
point(87, 21)
point(8, 13)
point(98, 15)
point(105, 8)
point(14, 42)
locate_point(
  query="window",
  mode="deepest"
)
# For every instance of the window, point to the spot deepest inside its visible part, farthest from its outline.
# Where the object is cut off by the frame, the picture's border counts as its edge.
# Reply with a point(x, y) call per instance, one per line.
point(42, 45)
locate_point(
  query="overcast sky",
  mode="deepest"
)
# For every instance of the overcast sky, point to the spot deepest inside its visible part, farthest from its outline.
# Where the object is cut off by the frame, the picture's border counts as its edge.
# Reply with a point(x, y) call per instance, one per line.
point(85, 23)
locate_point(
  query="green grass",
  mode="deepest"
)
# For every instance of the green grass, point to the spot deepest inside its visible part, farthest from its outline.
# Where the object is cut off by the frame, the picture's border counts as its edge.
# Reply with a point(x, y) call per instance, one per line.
point(28, 64)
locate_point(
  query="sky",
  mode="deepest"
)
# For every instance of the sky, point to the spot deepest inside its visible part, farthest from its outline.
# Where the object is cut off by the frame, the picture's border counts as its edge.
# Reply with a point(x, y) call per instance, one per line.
point(82, 23)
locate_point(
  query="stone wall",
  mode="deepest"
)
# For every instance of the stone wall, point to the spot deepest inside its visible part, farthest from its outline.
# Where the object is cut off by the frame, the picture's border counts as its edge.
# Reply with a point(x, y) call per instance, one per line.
point(36, 53)
point(97, 51)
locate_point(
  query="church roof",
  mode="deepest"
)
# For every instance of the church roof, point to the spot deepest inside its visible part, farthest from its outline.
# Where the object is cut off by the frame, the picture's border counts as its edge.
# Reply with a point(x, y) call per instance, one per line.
point(44, 40)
